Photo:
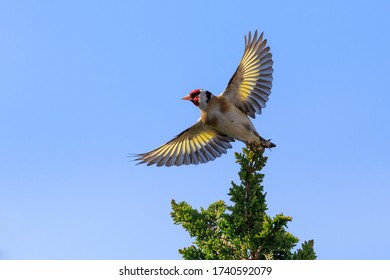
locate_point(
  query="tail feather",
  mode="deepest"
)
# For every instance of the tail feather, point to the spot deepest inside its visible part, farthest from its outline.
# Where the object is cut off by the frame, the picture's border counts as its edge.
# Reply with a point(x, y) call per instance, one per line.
point(263, 142)
point(266, 143)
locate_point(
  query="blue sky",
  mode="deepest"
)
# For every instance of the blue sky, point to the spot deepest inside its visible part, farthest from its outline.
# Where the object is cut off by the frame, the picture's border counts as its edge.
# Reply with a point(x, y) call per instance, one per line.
point(84, 83)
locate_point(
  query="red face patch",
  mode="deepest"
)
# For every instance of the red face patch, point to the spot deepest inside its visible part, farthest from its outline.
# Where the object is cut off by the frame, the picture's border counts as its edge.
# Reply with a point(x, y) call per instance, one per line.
point(195, 100)
point(194, 93)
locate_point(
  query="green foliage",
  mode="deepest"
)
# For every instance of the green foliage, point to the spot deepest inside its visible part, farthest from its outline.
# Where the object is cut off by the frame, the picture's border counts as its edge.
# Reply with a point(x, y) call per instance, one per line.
point(242, 230)
point(306, 253)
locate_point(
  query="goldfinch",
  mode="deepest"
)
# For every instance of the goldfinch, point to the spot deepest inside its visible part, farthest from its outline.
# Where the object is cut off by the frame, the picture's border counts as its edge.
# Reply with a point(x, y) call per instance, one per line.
point(224, 118)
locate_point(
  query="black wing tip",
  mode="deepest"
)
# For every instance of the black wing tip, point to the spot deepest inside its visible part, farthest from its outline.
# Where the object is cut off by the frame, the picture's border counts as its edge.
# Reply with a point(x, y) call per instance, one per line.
point(136, 158)
point(255, 38)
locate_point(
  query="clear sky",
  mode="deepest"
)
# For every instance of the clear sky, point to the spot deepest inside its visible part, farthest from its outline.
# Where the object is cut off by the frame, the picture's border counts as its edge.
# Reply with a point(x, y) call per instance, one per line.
point(85, 83)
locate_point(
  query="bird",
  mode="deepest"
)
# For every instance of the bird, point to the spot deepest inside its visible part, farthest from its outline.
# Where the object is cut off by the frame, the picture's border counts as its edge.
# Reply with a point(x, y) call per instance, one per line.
point(224, 117)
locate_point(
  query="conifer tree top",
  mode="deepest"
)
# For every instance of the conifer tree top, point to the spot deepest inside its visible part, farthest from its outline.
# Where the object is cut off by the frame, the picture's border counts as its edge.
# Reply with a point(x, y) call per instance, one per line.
point(242, 230)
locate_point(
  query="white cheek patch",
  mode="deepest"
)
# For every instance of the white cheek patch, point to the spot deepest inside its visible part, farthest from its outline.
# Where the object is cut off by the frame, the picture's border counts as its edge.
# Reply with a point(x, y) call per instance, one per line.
point(202, 101)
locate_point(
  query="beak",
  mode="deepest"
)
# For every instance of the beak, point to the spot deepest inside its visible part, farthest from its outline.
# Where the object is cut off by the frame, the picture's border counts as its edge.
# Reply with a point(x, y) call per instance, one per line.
point(187, 97)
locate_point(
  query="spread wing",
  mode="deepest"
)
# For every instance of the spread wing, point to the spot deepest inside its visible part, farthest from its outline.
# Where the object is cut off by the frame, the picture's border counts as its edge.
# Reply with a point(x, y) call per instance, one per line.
point(197, 144)
point(251, 84)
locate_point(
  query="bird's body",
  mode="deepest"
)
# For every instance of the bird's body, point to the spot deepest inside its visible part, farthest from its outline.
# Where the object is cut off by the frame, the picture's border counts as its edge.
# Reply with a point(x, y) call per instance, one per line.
point(227, 119)
point(224, 118)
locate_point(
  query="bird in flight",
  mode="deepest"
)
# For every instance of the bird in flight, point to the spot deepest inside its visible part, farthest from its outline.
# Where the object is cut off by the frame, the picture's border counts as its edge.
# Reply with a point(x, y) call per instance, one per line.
point(224, 118)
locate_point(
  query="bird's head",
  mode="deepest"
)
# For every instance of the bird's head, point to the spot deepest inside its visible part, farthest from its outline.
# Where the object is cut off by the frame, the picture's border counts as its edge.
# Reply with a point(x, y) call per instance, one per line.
point(199, 97)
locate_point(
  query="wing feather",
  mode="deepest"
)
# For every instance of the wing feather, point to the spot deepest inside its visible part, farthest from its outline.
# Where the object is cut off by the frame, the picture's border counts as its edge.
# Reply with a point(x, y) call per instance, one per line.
point(197, 144)
point(250, 86)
